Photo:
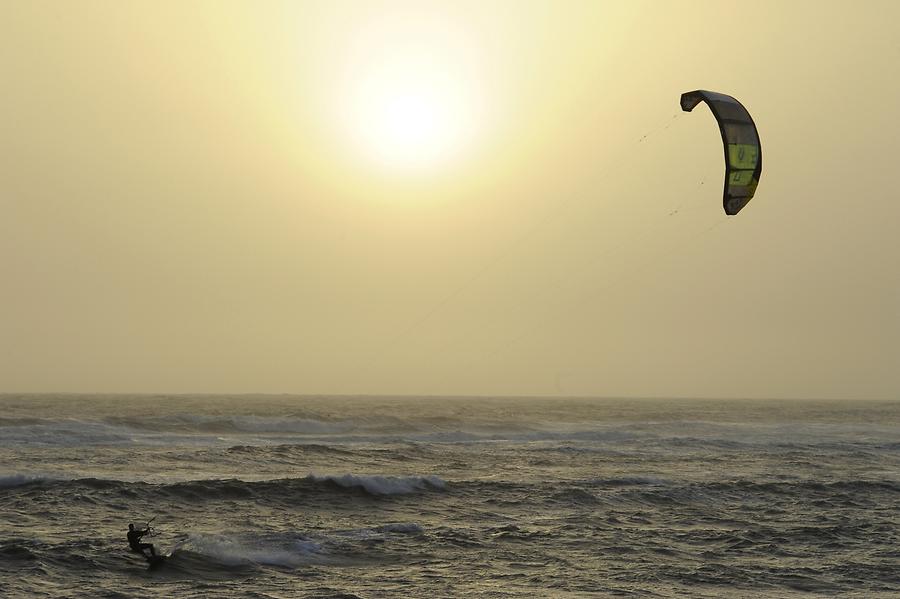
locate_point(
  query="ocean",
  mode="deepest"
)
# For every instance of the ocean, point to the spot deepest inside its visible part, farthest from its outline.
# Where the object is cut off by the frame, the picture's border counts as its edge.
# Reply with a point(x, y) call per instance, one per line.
point(364, 497)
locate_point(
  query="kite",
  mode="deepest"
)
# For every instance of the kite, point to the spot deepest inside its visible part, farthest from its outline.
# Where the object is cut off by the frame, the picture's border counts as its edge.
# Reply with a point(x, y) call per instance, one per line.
point(743, 152)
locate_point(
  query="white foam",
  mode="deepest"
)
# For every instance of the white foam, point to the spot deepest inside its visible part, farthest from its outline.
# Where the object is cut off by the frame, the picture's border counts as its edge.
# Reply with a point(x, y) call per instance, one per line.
point(9, 481)
point(235, 551)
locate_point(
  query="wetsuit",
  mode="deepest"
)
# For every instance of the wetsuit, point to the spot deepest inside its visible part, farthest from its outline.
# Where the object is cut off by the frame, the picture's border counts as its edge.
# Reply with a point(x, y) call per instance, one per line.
point(134, 541)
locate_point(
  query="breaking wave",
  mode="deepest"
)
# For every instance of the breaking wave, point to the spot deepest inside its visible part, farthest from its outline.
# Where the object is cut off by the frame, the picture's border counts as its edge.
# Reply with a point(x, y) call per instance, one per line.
point(18, 480)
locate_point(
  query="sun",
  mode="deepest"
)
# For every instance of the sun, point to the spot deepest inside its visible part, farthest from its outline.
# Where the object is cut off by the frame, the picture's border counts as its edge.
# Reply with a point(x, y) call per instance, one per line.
point(409, 116)
point(409, 98)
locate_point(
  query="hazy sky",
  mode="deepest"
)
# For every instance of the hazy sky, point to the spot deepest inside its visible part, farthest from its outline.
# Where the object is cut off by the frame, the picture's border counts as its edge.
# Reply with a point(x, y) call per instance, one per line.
point(447, 198)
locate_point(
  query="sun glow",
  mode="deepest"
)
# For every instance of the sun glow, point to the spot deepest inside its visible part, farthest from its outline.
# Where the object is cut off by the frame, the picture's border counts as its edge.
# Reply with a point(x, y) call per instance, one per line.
point(409, 97)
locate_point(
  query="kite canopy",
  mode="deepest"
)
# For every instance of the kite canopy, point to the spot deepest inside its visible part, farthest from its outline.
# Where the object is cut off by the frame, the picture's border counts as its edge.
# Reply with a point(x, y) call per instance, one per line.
point(743, 152)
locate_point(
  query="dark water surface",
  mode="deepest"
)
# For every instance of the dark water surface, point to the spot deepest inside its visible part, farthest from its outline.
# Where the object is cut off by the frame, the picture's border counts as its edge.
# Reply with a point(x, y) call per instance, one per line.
point(281, 496)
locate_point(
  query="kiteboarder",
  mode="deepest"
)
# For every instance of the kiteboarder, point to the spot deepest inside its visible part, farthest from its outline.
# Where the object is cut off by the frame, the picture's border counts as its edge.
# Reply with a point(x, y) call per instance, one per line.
point(134, 540)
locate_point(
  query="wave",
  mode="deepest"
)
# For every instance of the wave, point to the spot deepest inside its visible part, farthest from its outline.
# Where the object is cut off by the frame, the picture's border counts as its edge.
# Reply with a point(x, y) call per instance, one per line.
point(202, 423)
point(245, 430)
point(400, 527)
point(176, 430)
point(17, 550)
point(315, 487)
point(574, 496)
point(626, 481)
point(287, 491)
point(384, 485)
point(295, 491)
point(792, 495)
point(810, 486)
point(392, 453)
point(290, 448)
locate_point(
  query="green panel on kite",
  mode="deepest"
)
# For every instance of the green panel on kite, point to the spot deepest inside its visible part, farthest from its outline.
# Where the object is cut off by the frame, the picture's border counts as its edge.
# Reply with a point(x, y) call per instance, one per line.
point(743, 156)
point(740, 178)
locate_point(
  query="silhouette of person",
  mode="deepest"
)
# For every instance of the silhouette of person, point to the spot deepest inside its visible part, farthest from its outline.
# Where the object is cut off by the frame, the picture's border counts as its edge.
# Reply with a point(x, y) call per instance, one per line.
point(134, 540)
